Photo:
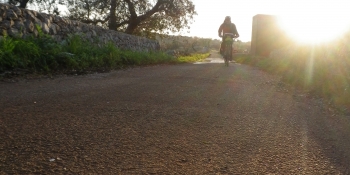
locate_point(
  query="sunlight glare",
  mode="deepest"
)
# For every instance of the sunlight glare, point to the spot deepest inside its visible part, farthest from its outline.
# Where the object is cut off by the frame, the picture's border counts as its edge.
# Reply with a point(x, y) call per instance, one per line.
point(315, 23)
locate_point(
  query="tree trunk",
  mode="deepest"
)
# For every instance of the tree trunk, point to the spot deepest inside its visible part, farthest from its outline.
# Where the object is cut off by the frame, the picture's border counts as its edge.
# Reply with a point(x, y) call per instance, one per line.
point(113, 18)
point(131, 27)
point(23, 3)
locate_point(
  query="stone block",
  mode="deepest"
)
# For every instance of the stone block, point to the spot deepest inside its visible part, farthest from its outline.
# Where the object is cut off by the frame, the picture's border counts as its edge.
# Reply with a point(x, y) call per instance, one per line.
point(14, 33)
point(19, 25)
point(29, 25)
point(6, 24)
point(47, 21)
point(40, 16)
point(45, 28)
point(58, 28)
point(33, 12)
point(18, 11)
point(3, 32)
point(11, 15)
point(53, 29)
point(38, 23)
point(57, 19)
point(78, 29)
point(36, 33)
point(29, 15)
point(22, 22)
point(94, 34)
point(2, 12)
point(4, 7)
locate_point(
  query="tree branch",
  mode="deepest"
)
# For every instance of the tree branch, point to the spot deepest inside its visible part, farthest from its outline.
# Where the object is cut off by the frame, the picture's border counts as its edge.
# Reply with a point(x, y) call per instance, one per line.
point(131, 9)
point(122, 23)
point(95, 21)
point(154, 10)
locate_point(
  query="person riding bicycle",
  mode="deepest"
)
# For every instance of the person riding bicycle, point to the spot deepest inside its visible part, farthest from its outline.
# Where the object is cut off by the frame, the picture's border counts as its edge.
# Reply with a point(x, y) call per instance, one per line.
point(227, 27)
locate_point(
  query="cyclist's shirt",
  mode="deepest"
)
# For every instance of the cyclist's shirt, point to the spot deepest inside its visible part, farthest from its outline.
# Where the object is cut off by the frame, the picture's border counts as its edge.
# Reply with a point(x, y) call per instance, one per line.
point(228, 28)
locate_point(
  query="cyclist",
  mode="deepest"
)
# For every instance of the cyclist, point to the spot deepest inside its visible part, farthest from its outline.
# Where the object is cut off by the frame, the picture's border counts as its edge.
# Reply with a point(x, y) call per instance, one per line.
point(227, 27)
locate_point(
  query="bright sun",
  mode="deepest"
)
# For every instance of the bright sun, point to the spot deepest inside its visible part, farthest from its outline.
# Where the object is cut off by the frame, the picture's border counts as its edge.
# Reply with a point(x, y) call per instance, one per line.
point(315, 22)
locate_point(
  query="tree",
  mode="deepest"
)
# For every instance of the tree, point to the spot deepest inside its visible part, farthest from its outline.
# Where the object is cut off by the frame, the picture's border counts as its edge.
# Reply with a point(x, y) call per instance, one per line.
point(50, 6)
point(20, 3)
point(139, 17)
point(94, 12)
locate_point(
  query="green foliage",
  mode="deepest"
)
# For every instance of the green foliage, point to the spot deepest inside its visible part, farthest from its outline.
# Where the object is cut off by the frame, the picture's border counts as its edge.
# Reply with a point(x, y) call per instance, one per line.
point(7, 60)
point(138, 17)
point(322, 70)
point(50, 6)
point(45, 55)
point(192, 58)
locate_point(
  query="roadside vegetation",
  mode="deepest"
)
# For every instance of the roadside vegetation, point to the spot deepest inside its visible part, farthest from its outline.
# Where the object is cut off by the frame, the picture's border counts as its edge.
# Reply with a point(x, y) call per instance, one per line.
point(320, 69)
point(44, 55)
point(192, 58)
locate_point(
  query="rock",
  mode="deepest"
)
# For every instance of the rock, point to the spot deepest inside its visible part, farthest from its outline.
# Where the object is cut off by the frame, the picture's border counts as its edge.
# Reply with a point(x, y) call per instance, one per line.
point(29, 25)
point(78, 29)
point(27, 35)
point(57, 19)
point(14, 33)
point(3, 32)
point(34, 12)
point(58, 28)
point(65, 30)
point(17, 10)
point(85, 28)
point(94, 34)
point(2, 12)
point(6, 24)
point(88, 35)
point(29, 15)
point(53, 29)
point(45, 28)
point(11, 15)
point(23, 22)
point(19, 25)
point(172, 52)
point(40, 17)
point(47, 22)
point(38, 23)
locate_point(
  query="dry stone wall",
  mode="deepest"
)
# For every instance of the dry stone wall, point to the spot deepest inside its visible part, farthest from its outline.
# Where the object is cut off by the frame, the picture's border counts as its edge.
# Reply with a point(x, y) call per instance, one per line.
point(17, 22)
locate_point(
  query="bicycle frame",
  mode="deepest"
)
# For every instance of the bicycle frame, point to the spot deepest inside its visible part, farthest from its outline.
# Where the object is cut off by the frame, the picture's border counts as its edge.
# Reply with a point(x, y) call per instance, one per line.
point(228, 41)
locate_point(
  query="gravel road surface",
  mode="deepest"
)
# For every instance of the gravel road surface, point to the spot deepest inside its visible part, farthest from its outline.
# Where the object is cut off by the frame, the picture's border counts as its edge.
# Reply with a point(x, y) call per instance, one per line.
point(200, 118)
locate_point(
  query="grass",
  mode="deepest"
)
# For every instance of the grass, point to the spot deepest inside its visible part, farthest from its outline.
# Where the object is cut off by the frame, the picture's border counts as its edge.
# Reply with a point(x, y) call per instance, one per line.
point(323, 70)
point(192, 58)
point(44, 55)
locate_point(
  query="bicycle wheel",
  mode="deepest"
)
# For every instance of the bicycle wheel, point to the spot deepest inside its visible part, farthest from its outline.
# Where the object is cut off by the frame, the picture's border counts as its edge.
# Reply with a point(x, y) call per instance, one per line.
point(230, 57)
point(227, 54)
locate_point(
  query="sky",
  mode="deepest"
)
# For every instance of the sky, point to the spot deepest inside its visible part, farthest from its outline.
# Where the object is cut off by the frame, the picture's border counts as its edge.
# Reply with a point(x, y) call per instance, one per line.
point(303, 20)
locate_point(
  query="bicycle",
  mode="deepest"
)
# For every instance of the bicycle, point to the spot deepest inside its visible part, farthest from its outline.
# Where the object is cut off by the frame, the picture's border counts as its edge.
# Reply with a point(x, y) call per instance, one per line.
point(228, 42)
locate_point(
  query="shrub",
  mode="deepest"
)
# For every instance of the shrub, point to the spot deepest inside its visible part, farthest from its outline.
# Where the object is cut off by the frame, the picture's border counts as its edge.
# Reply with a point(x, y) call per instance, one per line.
point(323, 70)
point(45, 55)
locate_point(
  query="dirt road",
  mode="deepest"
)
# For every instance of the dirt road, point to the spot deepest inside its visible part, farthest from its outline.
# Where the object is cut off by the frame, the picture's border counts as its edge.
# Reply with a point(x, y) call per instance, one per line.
point(199, 118)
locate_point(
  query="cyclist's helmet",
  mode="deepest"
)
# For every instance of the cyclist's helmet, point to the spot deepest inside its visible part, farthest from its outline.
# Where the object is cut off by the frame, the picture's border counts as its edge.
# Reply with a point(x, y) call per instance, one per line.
point(227, 19)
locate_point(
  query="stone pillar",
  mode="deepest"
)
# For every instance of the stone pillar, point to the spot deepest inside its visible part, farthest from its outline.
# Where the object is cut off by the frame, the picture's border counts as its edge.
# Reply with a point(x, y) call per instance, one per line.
point(266, 35)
